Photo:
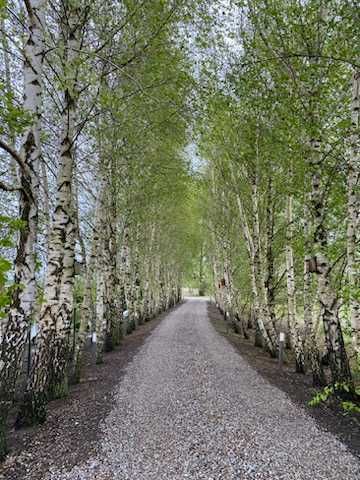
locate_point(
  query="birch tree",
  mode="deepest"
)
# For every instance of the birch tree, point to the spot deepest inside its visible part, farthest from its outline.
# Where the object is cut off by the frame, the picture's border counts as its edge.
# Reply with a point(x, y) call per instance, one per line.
point(28, 160)
point(48, 372)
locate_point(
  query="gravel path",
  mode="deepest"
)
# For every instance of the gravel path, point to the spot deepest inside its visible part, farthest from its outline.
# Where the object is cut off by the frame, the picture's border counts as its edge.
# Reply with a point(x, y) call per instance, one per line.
point(189, 407)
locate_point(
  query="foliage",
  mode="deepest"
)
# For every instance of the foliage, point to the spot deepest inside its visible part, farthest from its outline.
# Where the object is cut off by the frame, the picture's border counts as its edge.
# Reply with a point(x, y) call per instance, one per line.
point(336, 391)
point(14, 118)
point(8, 229)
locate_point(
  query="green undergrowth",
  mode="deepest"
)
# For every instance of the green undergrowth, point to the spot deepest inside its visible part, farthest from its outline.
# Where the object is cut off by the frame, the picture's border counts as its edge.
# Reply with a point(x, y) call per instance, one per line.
point(340, 393)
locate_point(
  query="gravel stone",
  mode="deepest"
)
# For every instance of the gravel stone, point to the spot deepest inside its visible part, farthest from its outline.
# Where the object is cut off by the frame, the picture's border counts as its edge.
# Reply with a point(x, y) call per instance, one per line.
point(189, 407)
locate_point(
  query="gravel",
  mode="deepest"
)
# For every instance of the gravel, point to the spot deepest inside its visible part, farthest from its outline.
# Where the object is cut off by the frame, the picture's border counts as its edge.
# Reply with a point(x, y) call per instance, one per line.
point(189, 407)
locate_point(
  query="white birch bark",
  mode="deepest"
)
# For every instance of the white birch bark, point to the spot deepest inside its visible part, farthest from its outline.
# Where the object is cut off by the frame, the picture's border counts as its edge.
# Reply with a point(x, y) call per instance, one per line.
point(353, 216)
point(86, 311)
point(102, 271)
point(329, 301)
point(100, 315)
point(218, 290)
point(250, 244)
point(312, 355)
point(260, 279)
point(8, 79)
point(291, 289)
point(48, 376)
point(269, 252)
point(46, 206)
point(23, 298)
point(126, 275)
point(136, 281)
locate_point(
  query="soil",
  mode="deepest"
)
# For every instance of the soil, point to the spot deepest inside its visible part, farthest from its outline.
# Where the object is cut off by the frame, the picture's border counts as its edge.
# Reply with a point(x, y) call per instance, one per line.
point(297, 386)
point(71, 432)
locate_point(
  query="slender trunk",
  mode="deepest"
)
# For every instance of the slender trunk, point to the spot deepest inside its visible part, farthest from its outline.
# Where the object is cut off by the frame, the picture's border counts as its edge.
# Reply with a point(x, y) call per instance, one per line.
point(201, 272)
point(353, 214)
point(227, 283)
point(86, 311)
point(339, 363)
point(78, 235)
point(126, 275)
point(291, 291)
point(100, 314)
point(312, 355)
point(228, 292)
point(262, 334)
point(110, 278)
point(259, 263)
point(46, 207)
point(269, 276)
point(329, 301)
point(136, 282)
point(263, 305)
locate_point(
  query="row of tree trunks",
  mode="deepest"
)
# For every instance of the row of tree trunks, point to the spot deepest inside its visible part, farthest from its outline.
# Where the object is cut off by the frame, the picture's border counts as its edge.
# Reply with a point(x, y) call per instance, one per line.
point(312, 353)
point(48, 376)
point(353, 214)
point(259, 273)
point(328, 297)
point(261, 267)
point(291, 287)
point(83, 103)
point(86, 311)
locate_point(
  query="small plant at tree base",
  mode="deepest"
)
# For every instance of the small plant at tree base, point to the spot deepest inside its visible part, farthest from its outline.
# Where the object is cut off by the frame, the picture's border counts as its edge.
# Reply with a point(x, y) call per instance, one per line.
point(322, 396)
point(338, 390)
point(350, 407)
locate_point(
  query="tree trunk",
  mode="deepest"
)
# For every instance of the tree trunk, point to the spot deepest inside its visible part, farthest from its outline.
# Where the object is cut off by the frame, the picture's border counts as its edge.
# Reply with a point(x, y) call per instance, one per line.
point(258, 272)
point(100, 315)
point(264, 338)
point(339, 363)
point(126, 275)
point(353, 217)
point(110, 269)
point(269, 257)
point(86, 310)
point(291, 292)
point(48, 376)
point(23, 297)
point(312, 355)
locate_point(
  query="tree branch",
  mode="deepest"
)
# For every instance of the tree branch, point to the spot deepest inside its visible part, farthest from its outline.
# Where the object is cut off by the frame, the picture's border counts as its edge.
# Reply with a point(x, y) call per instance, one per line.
point(14, 155)
point(8, 188)
point(29, 8)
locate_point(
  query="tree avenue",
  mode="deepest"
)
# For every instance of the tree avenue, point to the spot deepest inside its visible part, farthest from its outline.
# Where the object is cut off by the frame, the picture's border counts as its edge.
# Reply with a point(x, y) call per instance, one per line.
point(150, 146)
